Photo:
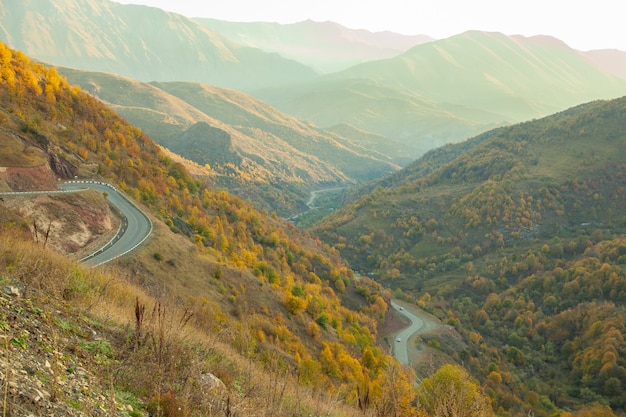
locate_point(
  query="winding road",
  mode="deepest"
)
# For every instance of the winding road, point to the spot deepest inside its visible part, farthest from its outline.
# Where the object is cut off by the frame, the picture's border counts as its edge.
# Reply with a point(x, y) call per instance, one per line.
point(313, 195)
point(134, 229)
point(418, 325)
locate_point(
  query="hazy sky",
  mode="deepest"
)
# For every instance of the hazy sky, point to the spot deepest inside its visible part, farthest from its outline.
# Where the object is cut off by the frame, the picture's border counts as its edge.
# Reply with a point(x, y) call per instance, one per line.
point(582, 24)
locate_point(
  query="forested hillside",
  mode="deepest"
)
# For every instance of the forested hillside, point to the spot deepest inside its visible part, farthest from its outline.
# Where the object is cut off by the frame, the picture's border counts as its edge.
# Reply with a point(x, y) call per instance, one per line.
point(517, 240)
point(219, 287)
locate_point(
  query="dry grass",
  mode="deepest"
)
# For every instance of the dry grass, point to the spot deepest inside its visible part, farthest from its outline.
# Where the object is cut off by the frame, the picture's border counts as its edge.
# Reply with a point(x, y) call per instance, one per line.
point(17, 152)
point(161, 354)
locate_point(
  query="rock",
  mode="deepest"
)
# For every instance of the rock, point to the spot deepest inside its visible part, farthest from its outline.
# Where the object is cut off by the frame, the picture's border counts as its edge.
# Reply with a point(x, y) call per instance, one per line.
point(11, 290)
point(37, 395)
point(61, 166)
point(210, 381)
point(183, 226)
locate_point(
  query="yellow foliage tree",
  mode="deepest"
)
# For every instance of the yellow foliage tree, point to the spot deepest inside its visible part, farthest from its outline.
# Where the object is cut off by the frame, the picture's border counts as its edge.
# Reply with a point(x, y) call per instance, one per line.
point(392, 392)
point(452, 392)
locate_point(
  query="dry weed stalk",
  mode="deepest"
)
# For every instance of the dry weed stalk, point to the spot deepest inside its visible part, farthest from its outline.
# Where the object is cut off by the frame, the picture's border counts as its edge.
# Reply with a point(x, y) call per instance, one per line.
point(140, 310)
point(6, 377)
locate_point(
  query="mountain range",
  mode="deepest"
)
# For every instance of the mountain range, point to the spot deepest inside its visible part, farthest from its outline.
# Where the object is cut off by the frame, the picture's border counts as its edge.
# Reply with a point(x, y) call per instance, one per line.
point(253, 150)
point(514, 237)
point(431, 94)
point(140, 42)
point(447, 90)
point(325, 46)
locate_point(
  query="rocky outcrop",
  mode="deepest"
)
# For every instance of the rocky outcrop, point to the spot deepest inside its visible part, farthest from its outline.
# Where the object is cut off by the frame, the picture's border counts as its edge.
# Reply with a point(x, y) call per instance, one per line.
point(61, 167)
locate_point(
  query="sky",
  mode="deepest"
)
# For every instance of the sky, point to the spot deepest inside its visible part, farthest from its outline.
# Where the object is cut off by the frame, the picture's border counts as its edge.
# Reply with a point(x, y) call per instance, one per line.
point(582, 24)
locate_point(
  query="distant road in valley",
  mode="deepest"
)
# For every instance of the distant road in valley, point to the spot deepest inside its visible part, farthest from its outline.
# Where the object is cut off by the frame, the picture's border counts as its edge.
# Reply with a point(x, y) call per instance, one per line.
point(314, 194)
point(134, 230)
point(418, 325)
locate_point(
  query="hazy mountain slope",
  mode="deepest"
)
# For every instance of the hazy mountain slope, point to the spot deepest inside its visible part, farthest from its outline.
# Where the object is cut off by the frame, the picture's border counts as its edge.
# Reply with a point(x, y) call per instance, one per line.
point(446, 90)
point(326, 46)
point(613, 61)
point(398, 151)
point(373, 106)
point(254, 150)
point(250, 115)
point(510, 237)
point(140, 42)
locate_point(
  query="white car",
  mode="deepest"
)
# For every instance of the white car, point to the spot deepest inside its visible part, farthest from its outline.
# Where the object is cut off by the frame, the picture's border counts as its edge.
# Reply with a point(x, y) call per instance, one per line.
point(398, 339)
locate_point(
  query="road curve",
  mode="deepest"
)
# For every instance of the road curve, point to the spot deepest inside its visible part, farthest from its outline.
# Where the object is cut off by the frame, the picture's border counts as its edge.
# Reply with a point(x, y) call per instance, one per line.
point(134, 229)
point(400, 349)
point(313, 195)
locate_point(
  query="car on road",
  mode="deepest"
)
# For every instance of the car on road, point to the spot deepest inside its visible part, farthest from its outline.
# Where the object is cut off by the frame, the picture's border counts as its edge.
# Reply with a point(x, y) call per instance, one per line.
point(398, 339)
point(400, 308)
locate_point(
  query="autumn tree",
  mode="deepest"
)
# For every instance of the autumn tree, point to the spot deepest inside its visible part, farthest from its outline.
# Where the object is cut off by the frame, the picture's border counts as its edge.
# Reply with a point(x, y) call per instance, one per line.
point(452, 392)
point(393, 393)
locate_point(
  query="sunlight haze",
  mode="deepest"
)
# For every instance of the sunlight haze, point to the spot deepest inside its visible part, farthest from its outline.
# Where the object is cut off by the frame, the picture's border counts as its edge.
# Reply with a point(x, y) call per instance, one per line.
point(581, 24)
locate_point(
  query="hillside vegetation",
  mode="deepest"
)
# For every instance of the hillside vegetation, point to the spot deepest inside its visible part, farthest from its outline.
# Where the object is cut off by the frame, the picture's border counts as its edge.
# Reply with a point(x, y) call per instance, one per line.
point(219, 288)
point(517, 239)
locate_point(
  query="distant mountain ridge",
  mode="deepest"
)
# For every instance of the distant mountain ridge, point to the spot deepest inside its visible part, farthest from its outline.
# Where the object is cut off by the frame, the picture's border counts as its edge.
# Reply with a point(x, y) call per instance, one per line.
point(140, 42)
point(448, 90)
point(612, 61)
point(326, 46)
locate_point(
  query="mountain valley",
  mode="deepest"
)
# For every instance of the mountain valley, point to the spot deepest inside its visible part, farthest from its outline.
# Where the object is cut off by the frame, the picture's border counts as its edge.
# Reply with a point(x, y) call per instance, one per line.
point(312, 190)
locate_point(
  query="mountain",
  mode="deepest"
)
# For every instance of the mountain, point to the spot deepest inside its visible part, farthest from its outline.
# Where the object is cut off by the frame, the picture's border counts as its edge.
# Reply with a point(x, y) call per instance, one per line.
point(613, 61)
point(450, 89)
point(326, 46)
point(253, 149)
point(140, 42)
point(516, 237)
point(222, 308)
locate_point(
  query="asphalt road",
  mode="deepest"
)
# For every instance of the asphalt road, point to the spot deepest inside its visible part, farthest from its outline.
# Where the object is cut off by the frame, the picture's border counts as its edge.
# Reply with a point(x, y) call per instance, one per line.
point(400, 349)
point(134, 229)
